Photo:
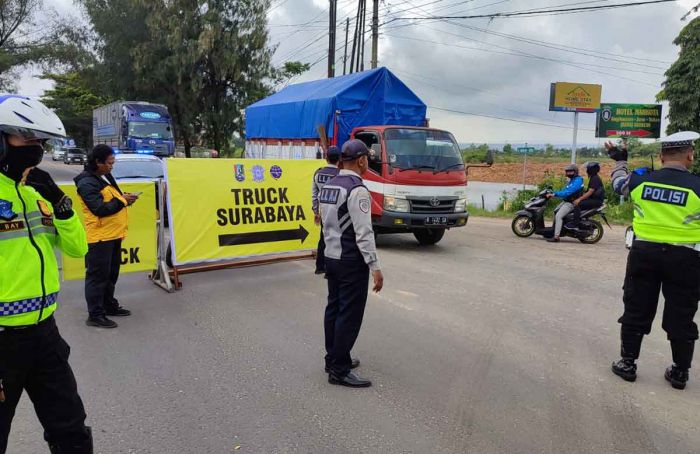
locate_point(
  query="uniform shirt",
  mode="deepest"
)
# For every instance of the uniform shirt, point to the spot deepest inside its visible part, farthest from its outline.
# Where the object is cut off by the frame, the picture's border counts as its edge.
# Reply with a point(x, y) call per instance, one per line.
point(321, 177)
point(347, 220)
point(666, 205)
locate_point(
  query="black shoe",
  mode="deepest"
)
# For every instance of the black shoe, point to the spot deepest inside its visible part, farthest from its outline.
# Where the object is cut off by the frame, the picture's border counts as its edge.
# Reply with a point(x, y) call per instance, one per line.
point(319, 271)
point(354, 364)
point(101, 322)
point(553, 240)
point(118, 312)
point(350, 380)
point(626, 369)
point(677, 376)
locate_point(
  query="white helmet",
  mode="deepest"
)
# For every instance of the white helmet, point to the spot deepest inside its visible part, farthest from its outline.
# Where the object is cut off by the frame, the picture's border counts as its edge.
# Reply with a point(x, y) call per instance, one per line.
point(31, 119)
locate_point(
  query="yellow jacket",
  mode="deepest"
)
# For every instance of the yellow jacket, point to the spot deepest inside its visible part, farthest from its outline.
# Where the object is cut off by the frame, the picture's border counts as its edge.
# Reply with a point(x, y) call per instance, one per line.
point(104, 206)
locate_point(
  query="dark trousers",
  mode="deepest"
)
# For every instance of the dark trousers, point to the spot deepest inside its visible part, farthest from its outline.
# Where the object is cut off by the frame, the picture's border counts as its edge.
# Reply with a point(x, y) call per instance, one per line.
point(587, 204)
point(35, 359)
point(102, 264)
point(321, 253)
point(348, 281)
point(674, 270)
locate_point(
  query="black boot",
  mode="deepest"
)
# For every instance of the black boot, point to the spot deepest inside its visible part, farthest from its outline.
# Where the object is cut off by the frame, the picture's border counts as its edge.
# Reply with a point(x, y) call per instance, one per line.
point(101, 322)
point(631, 344)
point(625, 368)
point(677, 376)
point(682, 352)
point(81, 446)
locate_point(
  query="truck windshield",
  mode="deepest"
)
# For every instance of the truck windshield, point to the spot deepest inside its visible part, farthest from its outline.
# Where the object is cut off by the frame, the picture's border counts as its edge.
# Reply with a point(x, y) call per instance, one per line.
point(144, 130)
point(422, 149)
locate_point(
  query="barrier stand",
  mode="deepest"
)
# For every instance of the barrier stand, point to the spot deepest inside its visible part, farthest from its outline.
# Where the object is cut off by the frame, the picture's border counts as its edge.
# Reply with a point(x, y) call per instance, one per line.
point(161, 276)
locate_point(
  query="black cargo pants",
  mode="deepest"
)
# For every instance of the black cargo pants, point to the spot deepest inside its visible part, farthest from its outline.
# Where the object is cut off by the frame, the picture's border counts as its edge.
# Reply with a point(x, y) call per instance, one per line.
point(654, 268)
point(35, 359)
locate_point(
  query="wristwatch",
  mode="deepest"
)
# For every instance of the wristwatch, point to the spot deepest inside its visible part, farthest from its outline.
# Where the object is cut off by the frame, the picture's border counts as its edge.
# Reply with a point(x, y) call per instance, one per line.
point(63, 207)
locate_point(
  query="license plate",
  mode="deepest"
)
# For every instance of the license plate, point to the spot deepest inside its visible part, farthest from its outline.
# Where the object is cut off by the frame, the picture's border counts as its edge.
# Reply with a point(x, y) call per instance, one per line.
point(436, 220)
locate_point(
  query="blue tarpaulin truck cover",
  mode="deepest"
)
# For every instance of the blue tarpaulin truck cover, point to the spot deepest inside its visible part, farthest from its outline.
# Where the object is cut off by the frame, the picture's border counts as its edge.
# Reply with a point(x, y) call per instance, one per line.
point(368, 98)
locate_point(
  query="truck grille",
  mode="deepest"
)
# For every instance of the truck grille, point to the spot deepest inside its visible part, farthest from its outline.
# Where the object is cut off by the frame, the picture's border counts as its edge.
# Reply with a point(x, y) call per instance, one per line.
point(432, 205)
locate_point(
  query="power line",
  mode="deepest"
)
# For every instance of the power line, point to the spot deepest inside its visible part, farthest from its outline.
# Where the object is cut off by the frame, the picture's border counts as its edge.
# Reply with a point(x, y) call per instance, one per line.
point(515, 120)
point(532, 13)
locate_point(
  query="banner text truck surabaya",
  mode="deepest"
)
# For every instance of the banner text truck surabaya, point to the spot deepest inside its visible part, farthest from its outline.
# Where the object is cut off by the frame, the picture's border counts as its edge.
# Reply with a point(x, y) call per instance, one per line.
point(134, 127)
point(417, 176)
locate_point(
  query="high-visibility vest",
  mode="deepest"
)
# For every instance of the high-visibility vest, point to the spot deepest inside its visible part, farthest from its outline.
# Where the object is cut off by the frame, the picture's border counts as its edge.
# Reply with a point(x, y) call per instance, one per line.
point(29, 281)
point(666, 206)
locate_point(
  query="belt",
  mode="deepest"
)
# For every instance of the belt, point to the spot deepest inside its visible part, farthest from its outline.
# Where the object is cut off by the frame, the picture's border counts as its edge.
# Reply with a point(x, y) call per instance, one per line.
point(48, 319)
point(693, 246)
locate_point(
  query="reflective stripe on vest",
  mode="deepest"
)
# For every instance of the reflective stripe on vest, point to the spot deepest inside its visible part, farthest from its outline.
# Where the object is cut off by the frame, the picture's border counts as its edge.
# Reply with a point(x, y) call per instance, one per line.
point(666, 214)
point(25, 306)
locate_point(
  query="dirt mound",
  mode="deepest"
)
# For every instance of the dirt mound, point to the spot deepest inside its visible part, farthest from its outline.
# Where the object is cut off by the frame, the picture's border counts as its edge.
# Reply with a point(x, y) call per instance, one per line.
point(513, 172)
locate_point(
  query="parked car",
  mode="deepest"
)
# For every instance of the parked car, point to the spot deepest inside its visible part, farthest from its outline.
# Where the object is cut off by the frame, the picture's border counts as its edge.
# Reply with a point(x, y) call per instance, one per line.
point(58, 154)
point(74, 156)
point(129, 168)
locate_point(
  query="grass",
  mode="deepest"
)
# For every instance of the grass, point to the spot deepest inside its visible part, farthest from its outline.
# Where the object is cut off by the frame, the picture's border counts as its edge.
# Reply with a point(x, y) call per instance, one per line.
point(616, 214)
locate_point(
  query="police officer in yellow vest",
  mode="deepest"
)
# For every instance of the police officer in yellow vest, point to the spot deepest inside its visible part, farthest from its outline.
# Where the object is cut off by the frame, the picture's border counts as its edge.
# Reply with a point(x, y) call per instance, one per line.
point(35, 217)
point(106, 222)
point(664, 257)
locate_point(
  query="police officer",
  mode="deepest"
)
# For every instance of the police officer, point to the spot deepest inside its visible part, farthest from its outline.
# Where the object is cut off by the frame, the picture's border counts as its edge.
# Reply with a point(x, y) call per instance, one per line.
point(665, 255)
point(321, 177)
point(35, 216)
point(351, 255)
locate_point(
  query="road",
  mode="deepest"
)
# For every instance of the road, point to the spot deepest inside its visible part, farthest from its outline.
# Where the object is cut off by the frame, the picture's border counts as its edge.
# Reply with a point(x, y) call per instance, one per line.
point(485, 343)
point(59, 171)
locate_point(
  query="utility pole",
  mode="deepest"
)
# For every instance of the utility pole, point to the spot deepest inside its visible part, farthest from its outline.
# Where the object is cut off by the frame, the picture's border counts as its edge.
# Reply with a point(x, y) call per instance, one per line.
point(345, 54)
point(364, 23)
point(331, 38)
point(354, 38)
point(375, 32)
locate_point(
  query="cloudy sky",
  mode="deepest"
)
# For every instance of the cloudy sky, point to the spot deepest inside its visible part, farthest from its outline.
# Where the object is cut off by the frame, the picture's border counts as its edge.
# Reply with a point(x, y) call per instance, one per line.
point(494, 68)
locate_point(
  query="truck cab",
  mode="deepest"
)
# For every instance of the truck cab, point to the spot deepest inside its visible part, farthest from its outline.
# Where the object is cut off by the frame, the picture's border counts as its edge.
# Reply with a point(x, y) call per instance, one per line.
point(417, 180)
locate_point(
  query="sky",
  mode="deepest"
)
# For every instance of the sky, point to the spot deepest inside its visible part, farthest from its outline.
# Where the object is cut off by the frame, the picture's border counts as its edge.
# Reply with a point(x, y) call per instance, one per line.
point(471, 66)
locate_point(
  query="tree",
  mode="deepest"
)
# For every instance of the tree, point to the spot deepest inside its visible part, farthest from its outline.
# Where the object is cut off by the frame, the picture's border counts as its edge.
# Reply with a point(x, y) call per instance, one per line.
point(508, 149)
point(680, 88)
point(73, 101)
point(23, 40)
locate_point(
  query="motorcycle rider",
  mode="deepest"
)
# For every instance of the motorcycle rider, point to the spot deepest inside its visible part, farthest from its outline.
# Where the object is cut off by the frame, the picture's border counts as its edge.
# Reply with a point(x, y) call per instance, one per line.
point(569, 194)
point(595, 192)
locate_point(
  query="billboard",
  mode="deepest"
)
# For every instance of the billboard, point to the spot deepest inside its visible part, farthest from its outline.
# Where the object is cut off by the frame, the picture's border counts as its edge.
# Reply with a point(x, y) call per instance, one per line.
point(629, 120)
point(574, 97)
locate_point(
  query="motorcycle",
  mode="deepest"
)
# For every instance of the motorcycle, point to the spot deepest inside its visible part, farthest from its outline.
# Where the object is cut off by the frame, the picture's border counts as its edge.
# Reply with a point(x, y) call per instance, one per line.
point(530, 220)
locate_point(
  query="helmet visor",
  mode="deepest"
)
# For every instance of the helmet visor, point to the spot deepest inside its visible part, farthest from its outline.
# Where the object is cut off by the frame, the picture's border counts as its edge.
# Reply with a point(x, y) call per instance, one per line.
point(28, 134)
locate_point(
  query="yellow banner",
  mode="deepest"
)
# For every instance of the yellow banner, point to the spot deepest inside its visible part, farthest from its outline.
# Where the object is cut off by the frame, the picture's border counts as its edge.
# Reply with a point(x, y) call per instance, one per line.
point(224, 209)
point(575, 97)
point(139, 249)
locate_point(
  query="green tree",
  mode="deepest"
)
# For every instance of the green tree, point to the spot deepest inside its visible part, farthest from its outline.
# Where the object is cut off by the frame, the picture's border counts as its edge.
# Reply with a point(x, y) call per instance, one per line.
point(680, 88)
point(508, 149)
point(73, 100)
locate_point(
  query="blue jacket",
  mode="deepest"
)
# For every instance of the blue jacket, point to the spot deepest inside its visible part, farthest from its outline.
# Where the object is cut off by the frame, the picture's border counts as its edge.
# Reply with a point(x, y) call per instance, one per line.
point(575, 186)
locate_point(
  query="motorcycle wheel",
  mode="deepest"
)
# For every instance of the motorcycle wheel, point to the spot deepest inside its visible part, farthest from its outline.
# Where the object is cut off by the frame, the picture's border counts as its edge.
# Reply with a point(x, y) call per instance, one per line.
point(523, 226)
point(596, 234)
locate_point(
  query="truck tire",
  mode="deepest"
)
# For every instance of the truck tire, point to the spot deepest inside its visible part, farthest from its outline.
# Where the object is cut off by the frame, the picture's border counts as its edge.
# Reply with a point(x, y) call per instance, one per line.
point(428, 237)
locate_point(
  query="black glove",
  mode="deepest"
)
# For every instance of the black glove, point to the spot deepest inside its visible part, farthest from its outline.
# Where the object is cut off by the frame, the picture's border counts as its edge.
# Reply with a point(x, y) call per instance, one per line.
point(616, 153)
point(45, 186)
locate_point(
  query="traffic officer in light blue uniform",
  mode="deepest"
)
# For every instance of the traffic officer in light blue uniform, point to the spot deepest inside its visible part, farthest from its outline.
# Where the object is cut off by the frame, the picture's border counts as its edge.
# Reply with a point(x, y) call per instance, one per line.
point(351, 255)
point(664, 257)
point(321, 177)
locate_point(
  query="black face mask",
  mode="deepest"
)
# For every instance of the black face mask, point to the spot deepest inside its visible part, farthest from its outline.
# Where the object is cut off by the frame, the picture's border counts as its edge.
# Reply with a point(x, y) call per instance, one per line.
point(18, 159)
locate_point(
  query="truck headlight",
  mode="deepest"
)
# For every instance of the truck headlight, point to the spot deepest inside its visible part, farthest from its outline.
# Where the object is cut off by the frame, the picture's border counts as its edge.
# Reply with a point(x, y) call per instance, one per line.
point(396, 204)
point(461, 206)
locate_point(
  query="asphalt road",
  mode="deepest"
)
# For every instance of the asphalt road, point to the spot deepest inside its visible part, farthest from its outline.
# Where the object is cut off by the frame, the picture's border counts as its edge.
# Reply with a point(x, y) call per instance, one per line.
point(59, 171)
point(485, 343)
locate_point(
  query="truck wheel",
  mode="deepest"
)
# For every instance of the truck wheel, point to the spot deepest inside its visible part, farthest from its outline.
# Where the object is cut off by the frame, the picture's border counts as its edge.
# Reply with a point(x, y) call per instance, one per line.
point(428, 237)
